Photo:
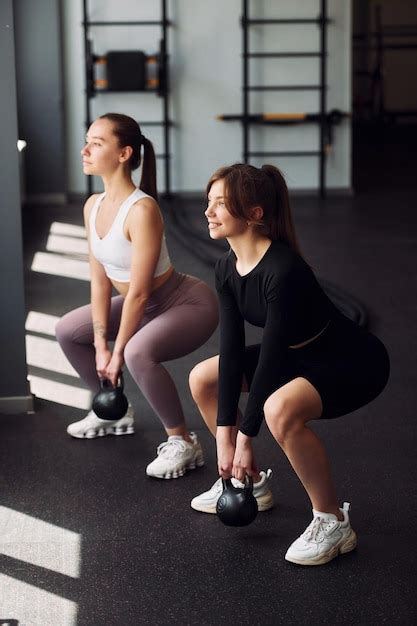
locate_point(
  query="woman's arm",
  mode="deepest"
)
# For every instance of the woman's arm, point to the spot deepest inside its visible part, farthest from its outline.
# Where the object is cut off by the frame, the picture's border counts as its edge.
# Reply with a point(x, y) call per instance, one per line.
point(225, 445)
point(232, 354)
point(274, 350)
point(231, 368)
point(101, 288)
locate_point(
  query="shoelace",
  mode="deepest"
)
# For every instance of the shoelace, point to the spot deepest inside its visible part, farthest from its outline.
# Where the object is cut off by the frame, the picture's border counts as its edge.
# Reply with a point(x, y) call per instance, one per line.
point(316, 530)
point(218, 486)
point(169, 449)
point(237, 483)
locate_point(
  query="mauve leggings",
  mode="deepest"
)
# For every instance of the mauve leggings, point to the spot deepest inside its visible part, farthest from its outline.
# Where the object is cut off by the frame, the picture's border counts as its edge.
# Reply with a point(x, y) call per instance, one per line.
point(180, 316)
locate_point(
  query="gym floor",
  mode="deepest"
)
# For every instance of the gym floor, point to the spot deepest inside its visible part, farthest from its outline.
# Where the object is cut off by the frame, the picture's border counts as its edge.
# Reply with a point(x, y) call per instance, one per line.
point(88, 539)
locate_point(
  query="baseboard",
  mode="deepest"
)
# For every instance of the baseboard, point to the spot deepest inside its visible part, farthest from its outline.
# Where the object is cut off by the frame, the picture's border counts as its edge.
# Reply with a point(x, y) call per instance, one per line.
point(329, 191)
point(305, 191)
point(191, 195)
point(76, 196)
point(46, 198)
point(17, 404)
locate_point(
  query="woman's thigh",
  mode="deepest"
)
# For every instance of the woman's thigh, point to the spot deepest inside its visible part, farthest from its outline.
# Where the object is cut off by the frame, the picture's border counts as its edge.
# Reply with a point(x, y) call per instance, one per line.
point(349, 369)
point(78, 324)
point(296, 401)
point(173, 332)
point(171, 335)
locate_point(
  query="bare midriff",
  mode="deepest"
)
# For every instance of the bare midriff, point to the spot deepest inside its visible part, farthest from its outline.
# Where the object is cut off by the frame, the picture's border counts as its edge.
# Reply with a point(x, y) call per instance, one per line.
point(158, 281)
point(305, 343)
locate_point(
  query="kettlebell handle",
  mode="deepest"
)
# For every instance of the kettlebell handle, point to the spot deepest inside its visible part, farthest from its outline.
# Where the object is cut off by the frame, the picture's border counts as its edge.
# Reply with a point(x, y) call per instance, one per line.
point(227, 484)
point(106, 384)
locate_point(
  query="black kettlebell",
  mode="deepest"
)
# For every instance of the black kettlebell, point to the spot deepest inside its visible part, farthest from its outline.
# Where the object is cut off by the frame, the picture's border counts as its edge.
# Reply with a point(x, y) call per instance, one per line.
point(237, 506)
point(110, 403)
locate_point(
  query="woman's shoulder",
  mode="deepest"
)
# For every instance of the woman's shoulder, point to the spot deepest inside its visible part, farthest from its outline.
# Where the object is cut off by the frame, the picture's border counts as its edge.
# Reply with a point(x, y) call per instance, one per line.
point(223, 263)
point(284, 267)
point(90, 202)
point(223, 268)
point(283, 257)
point(144, 216)
point(141, 200)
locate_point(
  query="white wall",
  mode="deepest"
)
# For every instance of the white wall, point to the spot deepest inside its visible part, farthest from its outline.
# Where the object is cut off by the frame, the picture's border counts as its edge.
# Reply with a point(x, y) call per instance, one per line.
point(206, 78)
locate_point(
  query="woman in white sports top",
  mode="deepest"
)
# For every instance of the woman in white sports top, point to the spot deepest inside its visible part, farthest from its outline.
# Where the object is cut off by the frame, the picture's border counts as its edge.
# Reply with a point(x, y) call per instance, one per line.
point(159, 314)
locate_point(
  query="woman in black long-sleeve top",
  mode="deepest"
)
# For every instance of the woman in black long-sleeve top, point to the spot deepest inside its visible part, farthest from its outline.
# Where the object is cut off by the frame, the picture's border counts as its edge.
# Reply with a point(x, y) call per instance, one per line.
point(313, 362)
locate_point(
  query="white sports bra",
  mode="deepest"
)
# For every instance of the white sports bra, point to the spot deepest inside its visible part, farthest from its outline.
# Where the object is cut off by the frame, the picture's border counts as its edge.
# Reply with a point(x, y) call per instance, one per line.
point(114, 251)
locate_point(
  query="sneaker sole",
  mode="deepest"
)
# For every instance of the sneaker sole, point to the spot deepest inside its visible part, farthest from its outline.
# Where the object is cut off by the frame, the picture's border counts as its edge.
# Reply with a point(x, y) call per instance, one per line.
point(102, 432)
point(348, 545)
point(178, 473)
point(265, 503)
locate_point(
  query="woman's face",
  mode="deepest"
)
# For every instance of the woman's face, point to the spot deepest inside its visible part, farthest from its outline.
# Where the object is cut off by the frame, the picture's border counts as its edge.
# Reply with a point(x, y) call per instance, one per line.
point(221, 223)
point(101, 153)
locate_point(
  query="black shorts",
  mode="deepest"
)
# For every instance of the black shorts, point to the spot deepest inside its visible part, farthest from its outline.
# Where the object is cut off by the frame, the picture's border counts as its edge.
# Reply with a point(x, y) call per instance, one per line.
point(346, 364)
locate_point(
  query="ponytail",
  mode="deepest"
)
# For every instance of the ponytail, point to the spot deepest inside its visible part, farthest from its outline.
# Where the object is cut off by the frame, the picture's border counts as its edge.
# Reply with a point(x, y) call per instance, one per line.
point(280, 223)
point(148, 178)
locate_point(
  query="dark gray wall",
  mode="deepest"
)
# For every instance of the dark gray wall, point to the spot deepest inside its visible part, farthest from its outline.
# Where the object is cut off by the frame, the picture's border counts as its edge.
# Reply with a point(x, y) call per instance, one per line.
point(13, 371)
point(39, 93)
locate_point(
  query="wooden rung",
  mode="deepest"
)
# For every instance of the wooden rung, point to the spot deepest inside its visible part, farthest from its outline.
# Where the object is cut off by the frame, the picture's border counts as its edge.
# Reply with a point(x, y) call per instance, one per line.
point(103, 83)
point(102, 60)
point(284, 116)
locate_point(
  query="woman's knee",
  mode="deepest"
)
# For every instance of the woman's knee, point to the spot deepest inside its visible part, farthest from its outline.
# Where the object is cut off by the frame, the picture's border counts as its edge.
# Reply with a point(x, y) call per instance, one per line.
point(203, 378)
point(64, 329)
point(75, 327)
point(137, 357)
point(281, 418)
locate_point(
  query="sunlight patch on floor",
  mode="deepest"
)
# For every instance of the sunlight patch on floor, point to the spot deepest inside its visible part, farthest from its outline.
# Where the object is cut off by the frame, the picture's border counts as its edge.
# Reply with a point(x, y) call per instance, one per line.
point(47, 354)
point(59, 265)
point(43, 323)
point(67, 245)
point(31, 606)
point(72, 230)
point(41, 543)
point(60, 392)
point(67, 257)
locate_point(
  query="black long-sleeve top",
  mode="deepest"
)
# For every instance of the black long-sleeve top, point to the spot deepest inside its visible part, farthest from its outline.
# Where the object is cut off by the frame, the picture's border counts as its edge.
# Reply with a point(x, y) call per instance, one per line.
point(280, 294)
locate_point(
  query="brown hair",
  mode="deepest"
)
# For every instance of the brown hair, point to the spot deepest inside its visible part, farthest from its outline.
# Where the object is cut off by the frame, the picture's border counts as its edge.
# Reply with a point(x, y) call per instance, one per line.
point(246, 187)
point(128, 133)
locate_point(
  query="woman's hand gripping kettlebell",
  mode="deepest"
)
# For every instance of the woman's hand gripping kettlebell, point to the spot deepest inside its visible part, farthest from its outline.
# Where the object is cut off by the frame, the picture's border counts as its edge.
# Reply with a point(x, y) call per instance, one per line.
point(103, 358)
point(114, 367)
point(244, 463)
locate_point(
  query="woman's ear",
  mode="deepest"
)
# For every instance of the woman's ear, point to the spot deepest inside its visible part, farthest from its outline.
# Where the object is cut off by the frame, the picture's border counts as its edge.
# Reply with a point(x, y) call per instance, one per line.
point(125, 154)
point(257, 214)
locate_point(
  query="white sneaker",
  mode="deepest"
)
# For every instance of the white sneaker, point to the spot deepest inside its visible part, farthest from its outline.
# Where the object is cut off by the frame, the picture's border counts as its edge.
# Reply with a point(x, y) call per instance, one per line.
point(92, 426)
point(323, 539)
point(175, 457)
point(206, 502)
